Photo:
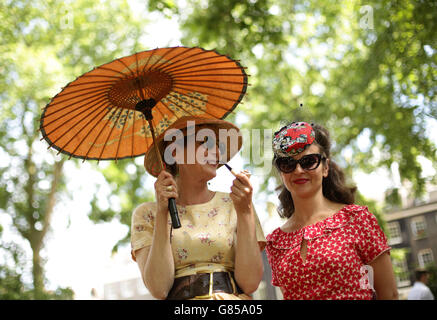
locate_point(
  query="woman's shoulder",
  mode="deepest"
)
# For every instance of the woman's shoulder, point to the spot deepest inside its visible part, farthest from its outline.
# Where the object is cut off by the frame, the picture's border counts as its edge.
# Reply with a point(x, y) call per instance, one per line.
point(356, 211)
point(350, 213)
point(283, 240)
point(278, 234)
point(363, 216)
point(272, 236)
point(145, 207)
point(144, 214)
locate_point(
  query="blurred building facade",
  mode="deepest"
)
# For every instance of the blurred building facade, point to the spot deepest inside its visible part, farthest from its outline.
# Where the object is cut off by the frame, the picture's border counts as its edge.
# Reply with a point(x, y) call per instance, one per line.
point(127, 289)
point(414, 230)
point(122, 280)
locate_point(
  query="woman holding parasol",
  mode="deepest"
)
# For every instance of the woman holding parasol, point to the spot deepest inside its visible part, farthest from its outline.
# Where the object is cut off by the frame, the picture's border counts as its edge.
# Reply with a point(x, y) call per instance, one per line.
point(107, 113)
point(216, 254)
point(329, 248)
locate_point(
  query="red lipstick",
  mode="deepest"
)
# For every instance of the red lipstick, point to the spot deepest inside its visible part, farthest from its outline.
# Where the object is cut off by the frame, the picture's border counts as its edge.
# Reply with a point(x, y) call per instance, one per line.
point(300, 181)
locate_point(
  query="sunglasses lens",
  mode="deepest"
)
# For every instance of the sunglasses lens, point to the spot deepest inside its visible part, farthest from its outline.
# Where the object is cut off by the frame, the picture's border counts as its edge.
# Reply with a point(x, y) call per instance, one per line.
point(286, 165)
point(310, 162)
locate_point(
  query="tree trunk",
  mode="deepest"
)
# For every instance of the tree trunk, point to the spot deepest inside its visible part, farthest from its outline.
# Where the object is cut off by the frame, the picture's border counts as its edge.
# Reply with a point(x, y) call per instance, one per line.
point(38, 274)
point(36, 237)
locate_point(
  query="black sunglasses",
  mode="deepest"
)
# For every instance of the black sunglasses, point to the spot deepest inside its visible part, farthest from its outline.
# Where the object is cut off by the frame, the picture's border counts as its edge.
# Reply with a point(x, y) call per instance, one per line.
point(308, 162)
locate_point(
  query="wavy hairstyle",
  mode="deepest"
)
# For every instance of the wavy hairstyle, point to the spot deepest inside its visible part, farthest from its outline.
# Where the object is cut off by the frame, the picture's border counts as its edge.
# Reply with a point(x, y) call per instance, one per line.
point(333, 186)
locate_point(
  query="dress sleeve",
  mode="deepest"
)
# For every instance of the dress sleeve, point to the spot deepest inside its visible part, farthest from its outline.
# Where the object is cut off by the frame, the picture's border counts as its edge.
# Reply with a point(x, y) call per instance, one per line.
point(372, 241)
point(142, 225)
point(272, 263)
point(259, 232)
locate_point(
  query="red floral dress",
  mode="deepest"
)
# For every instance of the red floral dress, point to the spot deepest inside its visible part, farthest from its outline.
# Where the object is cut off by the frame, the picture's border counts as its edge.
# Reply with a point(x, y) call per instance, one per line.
point(339, 250)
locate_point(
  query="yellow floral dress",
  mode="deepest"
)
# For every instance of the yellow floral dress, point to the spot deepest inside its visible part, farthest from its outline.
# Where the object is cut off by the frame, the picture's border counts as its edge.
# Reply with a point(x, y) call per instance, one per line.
point(206, 241)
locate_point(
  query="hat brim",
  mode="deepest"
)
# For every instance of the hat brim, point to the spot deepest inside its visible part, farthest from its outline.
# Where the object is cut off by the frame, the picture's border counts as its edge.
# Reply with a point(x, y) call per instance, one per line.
point(151, 162)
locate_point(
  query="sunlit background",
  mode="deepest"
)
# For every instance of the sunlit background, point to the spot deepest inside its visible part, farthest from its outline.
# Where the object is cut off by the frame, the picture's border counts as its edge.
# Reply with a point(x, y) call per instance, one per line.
point(78, 252)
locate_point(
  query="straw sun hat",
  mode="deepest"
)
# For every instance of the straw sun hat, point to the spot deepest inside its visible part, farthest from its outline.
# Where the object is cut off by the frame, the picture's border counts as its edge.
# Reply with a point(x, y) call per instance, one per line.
point(151, 162)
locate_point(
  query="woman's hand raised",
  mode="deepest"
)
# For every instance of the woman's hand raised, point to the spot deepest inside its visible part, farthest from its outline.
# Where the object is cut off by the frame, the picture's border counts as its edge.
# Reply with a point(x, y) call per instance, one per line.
point(165, 188)
point(241, 193)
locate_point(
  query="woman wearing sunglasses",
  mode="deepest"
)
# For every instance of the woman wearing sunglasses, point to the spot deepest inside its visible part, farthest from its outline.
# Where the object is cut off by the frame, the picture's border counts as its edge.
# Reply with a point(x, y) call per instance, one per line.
point(329, 248)
point(216, 253)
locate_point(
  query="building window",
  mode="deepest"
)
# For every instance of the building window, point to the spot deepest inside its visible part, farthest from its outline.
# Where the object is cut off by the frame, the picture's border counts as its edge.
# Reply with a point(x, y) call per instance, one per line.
point(394, 232)
point(425, 258)
point(402, 275)
point(418, 226)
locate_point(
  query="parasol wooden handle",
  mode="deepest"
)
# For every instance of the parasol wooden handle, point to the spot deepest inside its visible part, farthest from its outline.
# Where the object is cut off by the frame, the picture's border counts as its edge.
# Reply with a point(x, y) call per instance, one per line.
point(146, 110)
point(175, 222)
point(158, 155)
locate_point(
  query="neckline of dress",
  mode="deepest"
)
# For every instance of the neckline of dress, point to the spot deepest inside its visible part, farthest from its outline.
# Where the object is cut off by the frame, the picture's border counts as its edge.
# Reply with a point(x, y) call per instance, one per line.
point(316, 223)
point(199, 204)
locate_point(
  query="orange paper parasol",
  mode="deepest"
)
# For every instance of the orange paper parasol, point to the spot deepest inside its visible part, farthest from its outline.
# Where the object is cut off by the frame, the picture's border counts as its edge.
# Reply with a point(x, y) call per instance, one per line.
point(94, 117)
point(115, 110)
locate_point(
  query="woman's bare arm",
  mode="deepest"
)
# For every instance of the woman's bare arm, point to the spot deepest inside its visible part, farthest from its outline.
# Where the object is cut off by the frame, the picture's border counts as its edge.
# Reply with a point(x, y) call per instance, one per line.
point(156, 264)
point(248, 261)
point(384, 279)
point(156, 261)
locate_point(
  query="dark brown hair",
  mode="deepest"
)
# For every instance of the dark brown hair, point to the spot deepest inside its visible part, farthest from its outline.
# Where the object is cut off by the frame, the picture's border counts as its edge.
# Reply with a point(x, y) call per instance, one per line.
point(333, 186)
point(419, 273)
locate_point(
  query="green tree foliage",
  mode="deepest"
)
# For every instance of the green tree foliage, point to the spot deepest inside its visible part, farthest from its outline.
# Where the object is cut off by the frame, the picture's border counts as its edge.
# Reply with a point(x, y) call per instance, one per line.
point(358, 67)
point(43, 46)
point(12, 285)
point(126, 182)
point(432, 281)
point(398, 257)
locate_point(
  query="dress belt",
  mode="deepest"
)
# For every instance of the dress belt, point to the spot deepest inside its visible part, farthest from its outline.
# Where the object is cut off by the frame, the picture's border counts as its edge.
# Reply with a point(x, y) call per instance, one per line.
point(203, 285)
